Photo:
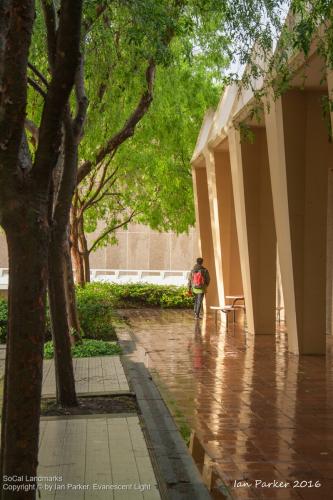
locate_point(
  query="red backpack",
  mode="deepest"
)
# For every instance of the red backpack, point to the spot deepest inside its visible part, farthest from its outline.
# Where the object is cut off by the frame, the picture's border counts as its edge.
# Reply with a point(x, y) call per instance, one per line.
point(198, 279)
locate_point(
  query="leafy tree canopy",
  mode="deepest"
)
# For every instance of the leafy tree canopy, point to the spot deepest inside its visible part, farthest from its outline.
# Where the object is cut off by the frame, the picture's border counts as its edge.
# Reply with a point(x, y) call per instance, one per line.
point(190, 44)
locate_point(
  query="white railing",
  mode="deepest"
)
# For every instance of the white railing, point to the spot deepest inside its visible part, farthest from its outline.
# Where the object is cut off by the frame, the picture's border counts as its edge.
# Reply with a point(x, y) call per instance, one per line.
point(3, 278)
point(160, 277)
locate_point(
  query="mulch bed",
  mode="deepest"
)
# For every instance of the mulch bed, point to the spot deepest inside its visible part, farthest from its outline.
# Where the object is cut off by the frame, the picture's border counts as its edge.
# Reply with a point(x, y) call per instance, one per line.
point(92, 406)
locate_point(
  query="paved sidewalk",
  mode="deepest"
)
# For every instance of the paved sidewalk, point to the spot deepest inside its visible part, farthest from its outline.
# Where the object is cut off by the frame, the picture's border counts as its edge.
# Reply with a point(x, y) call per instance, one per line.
point(97, 456)
point(257, 412)
point(97, 375)
point(104, 457)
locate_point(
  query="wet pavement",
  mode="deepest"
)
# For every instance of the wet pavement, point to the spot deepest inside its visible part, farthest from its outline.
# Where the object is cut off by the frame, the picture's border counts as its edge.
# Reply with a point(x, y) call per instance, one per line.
point(261, 418)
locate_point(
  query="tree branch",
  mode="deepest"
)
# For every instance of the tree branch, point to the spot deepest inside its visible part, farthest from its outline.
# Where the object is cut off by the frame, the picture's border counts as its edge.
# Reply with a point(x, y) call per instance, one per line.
point(103, 181)
point(33, 129)
point(64, 69)
point(35, 86)
point(68, 178)
point(82, 101)
point(128, 129)
point(88, 24)
point(38, 74)
point(110, 230)
point(102, 195)
point(50, 17)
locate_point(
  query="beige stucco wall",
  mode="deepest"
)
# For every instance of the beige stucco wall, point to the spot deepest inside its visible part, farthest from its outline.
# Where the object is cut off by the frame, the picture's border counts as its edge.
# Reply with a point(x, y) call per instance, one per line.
point(139, 248)
point(3, 250)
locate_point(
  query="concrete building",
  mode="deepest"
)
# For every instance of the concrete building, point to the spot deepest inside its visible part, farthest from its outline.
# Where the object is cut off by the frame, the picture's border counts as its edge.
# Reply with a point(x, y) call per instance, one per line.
point(139, 247)
point(267, 204)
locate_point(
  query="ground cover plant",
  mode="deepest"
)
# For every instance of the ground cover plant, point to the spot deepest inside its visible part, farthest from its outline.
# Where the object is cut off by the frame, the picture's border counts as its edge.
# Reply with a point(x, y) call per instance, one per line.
point(3, 320)
point(86, 348)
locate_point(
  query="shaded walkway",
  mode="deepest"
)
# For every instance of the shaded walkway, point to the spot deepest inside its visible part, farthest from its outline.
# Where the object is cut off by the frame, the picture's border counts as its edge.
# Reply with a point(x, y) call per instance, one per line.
point(260, 412)
point(101, 457)
point(96, 375)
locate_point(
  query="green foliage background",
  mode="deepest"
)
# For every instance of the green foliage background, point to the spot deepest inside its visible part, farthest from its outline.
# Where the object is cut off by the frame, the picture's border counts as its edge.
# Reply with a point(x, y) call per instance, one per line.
point(153, 168)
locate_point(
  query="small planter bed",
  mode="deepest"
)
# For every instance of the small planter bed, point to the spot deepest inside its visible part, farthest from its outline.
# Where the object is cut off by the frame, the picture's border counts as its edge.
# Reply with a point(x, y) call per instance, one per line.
point(92, 405)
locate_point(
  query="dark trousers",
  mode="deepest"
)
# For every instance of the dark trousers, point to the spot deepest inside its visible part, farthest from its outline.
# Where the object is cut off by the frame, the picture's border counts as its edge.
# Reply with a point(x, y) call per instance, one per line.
point(198, 299)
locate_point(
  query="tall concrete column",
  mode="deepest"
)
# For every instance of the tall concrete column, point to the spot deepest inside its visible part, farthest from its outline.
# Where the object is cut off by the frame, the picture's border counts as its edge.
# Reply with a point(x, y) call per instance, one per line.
point(204, 228)
point(300, 155)
point(231, 269)
point(255, 228)
point(222, 210)
point(215, 223)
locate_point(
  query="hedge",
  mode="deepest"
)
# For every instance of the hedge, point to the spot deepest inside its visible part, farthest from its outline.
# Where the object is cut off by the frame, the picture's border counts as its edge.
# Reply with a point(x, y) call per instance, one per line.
point(97, 303)
point(144, 295)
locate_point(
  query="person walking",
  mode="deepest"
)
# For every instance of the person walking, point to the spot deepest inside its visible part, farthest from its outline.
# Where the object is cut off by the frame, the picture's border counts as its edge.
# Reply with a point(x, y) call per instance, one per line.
point(197, 284)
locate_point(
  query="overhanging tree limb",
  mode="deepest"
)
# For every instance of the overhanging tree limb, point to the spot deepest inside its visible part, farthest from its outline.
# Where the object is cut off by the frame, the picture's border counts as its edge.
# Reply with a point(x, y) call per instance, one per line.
point(128, 129)
point(37, 87)
point(101, 184)
point(38, 74)
point(111, 230)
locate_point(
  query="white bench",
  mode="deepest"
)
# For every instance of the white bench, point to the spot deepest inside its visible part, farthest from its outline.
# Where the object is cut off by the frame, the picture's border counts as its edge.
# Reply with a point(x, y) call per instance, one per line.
point(226, 310)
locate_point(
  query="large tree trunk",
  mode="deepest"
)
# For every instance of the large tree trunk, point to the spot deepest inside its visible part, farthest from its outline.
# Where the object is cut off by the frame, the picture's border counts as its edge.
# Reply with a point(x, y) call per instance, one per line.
point(24, 193)
point(65, 382)
point(57, 273)
point(27, 238)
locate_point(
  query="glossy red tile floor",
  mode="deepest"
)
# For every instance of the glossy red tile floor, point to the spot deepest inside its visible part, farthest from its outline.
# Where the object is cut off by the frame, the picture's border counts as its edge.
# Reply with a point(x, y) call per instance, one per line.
point(257, 412)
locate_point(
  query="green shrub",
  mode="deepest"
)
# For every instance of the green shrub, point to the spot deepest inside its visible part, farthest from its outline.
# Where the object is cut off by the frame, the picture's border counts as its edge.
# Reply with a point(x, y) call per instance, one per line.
point(145, 295)
point(87, 349)
point(3, 320)
point(96, 311)
point(96, 304)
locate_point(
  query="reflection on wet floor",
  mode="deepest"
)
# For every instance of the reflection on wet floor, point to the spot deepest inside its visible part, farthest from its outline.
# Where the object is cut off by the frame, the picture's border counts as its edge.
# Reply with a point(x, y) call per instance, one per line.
point(257, 412)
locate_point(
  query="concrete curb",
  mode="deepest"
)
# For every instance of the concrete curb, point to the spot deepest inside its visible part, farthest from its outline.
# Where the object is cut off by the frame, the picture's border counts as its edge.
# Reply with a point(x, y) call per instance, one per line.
point(176, 472)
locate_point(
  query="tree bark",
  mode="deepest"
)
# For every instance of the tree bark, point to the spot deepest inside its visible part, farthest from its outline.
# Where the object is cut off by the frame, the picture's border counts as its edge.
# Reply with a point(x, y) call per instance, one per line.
point(27, 239)
point(72, 313)
point(86, 262)
point(84, 252)
point(60, 209)
point(76, 255)
point(24, 204)
point(65, 383)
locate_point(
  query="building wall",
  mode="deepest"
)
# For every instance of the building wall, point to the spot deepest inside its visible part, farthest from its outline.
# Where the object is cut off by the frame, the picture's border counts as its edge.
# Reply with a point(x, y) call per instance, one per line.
point(139, 248)
point(3, 250)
